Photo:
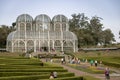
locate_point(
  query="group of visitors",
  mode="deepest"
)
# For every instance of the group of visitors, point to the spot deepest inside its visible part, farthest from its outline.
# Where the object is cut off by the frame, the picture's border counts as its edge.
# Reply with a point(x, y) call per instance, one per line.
point(95, 63)
point(107, 72)
point(75, 61)
point(92, 62)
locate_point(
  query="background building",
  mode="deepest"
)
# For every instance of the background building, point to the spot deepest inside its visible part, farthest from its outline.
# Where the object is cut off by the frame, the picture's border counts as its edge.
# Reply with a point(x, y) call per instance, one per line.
point(42, 34)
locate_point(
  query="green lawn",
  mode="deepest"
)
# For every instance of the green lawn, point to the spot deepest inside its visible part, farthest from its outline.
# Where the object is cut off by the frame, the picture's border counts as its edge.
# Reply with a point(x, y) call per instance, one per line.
point(109, 58)
point(91, 78)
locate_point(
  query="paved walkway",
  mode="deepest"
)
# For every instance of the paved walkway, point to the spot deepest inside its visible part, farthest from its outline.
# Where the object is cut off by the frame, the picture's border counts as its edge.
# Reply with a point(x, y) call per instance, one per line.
point(81, 73)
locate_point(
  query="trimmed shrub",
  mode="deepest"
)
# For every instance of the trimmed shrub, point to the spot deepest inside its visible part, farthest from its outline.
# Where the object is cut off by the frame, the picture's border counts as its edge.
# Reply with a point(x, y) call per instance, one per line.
point(34, 77)
point(113, 64)
point(32, 70)
point(28, 67)
point(4, 74)
point(67, 78)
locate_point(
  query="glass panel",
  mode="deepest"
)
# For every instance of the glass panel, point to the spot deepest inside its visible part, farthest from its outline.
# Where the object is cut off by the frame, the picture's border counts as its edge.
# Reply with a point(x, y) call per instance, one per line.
point(28, 26)
point(57, 43)
point(22, 26)
point(57, 27)
point(63, 27)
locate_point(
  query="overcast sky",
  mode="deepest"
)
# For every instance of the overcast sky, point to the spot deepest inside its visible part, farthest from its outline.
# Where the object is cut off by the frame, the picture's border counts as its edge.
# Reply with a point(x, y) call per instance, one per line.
point(109, 10)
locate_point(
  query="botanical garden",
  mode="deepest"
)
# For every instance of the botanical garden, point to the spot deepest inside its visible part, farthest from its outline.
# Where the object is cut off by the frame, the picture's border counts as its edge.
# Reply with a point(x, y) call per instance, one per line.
point(36, 47)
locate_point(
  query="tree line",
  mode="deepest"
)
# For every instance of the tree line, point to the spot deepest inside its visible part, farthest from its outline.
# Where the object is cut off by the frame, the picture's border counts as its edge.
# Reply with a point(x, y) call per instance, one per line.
point(4, 32)
point(90, 32)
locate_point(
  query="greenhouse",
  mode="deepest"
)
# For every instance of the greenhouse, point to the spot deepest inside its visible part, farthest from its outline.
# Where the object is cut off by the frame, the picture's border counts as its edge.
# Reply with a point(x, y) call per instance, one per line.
point(42, 35)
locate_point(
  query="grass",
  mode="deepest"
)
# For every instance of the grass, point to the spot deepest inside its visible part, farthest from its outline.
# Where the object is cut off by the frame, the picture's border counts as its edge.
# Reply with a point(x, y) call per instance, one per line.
point(109, 58)
point(88, 69)
point(91, 78)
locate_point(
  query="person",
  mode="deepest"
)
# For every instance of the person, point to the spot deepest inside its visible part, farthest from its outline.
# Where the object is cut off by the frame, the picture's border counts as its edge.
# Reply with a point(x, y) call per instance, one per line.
point(51, 76)
point(107, 76)
point(83, 60)
point(95, 63)
point(91, 62)
point(63, 52)
point(86, 60)
point(100, 63)
point(62, 60)
point(51, 60)
point(78, 61)
point(55, 74)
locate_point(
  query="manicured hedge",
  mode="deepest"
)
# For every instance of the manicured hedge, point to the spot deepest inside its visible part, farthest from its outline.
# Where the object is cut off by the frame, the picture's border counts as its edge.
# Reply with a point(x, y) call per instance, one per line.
point(13, 62)
point(5, 74)
point(19, 68)
point(113, 64)
point(34, 77)
point(67, 78)
point(32, 70)
point(27, 67)
point(71, 78)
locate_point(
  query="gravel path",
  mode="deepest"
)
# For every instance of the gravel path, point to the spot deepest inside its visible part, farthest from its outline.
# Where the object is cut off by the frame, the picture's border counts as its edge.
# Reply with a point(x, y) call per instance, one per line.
point(81, 73)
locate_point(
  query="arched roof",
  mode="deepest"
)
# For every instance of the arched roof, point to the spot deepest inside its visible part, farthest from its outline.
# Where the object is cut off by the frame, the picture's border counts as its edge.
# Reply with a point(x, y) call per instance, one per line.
point(69, 35)
point(74, 36)
point(60, 18)
point(42, 18)
point(24, 18)
point(11, 36)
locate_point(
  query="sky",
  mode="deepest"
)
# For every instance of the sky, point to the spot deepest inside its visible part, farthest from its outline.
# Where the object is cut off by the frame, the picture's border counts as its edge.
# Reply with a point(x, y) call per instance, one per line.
point(109, 10)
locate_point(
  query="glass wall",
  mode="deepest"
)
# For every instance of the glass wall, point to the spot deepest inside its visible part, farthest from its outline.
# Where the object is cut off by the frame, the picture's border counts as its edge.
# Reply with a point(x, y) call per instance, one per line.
point(42, 34)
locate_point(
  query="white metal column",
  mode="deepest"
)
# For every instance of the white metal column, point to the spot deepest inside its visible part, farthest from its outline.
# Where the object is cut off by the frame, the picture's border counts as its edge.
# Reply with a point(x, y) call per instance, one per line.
point(25, 46)
point(53, 45)
point(62, 45)
point(12, 46)
point(48, 42)
point(35, 46)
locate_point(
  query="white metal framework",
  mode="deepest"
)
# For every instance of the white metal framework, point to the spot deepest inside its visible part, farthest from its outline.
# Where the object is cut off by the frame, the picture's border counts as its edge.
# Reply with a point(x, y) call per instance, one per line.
point(42, 34)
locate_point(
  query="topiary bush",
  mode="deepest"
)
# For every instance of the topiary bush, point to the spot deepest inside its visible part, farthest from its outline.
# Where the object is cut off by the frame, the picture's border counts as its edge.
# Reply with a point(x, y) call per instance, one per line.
point(34, 77)
point(112, 64)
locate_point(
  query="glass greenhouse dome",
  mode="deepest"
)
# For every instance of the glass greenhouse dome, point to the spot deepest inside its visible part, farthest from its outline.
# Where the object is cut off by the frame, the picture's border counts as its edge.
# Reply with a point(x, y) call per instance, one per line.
point(42, 34)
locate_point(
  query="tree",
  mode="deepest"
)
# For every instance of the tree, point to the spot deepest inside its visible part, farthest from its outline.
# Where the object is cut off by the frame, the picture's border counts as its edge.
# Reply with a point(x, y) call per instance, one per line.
point(96, 29)
point(4, 31)
point(77, 25)
point(90, 31)
point(107, 37)
point(3, 35)
point(78, 21)
point(13, 25)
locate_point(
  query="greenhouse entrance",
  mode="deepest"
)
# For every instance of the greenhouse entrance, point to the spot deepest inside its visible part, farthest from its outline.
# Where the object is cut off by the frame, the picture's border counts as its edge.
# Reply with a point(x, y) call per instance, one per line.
point(44, 49)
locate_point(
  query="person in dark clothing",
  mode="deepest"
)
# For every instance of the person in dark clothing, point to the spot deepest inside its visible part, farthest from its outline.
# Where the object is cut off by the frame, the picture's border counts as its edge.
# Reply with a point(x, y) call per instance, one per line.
point(107, 76)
